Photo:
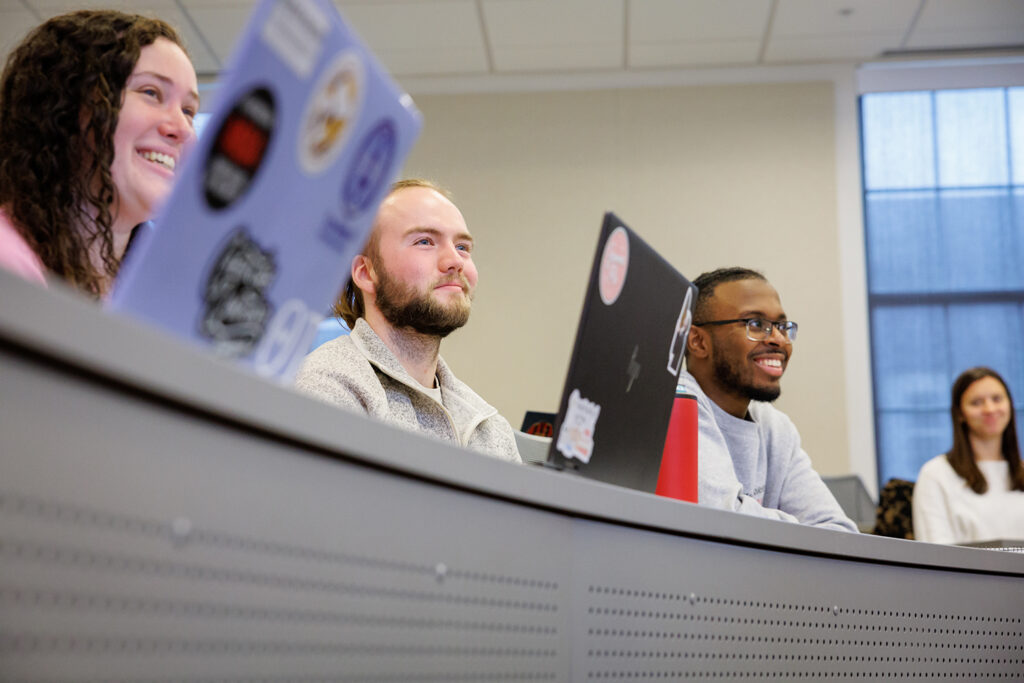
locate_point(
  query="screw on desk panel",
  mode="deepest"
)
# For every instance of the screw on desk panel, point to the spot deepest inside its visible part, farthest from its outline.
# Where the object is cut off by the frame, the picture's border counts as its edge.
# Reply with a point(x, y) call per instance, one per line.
point(835, 610)
point(693, 598)
point(181, 529)
point(440, 571)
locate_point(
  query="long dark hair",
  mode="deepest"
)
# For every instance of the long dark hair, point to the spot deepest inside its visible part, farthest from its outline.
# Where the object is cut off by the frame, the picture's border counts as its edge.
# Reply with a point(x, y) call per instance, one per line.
point(60, 98)
point(961, 456)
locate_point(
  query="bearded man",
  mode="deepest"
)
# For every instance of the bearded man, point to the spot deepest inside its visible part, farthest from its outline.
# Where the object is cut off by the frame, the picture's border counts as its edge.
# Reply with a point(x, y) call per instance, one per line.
point(749, 454)
point(410, 288)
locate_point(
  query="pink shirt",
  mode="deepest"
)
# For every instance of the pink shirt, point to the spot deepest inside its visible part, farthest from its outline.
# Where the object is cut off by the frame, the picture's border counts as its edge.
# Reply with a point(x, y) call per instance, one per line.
point(17, 256)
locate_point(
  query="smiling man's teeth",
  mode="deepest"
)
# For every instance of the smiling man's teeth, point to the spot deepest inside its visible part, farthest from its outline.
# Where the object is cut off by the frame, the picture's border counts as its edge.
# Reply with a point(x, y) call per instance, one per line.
point(164, 160)
point(770, 362)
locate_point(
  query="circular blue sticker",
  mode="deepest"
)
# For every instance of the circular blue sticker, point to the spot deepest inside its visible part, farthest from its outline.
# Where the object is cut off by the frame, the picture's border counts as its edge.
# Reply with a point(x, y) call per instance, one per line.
point(370, 168)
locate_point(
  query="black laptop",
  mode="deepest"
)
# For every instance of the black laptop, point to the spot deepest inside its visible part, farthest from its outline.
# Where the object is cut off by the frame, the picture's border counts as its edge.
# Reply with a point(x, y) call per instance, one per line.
point(618, 395)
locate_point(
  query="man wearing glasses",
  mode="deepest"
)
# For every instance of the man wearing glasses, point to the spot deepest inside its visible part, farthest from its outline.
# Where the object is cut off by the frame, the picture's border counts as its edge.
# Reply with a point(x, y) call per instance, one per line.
point(749, 453)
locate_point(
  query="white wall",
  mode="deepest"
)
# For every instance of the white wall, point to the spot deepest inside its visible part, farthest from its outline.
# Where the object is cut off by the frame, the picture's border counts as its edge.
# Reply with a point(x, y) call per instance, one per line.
point(710, 175)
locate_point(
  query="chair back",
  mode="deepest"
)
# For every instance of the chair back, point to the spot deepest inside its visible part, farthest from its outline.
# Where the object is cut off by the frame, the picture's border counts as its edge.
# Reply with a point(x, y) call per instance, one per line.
point(893, 517)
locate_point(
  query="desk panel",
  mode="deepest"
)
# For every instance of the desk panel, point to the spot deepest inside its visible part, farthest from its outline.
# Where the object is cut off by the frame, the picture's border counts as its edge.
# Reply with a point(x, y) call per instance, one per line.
point(159, 542)
point(164, 517)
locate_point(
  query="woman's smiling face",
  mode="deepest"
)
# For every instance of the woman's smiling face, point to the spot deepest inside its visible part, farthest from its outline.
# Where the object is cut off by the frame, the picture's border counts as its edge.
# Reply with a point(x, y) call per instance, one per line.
point(154, 129)
point(986, 408)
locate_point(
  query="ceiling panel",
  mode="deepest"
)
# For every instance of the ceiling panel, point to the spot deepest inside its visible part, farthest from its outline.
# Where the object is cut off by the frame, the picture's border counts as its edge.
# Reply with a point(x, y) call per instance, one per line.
point(966, 38)
point(711, 21)
point(554, 58)
point(546, 35)
point(473, 37)
point(450, 61)
point(843, 17)
point(168, 10)
point(952, 15)
point(830, 48)
point(550, 22)
point(666, 33)
point(15, 23)
point(682, 53)
point(422, 38)
point(980, 23)
point(220, 22)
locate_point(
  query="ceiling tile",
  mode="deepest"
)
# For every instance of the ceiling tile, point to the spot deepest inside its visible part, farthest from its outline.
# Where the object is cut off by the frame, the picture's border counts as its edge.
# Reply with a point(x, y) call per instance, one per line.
point(979, 23)
point(14, 25)
point(966, 38)
point(838, 17)
point(955, 15)
point(666, 33)
point(465, 37)
point(221, 23)
point(452, 60)
point(421, 38)
point(168, 10)
point(558, 58)
point(550, 22)
point(542, 35)
point(830, 48)
point(712, 21)
point(692, 53)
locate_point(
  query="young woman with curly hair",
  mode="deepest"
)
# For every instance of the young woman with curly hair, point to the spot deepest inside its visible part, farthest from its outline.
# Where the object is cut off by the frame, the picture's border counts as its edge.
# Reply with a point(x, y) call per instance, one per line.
point(976, 491)
point(96, 109)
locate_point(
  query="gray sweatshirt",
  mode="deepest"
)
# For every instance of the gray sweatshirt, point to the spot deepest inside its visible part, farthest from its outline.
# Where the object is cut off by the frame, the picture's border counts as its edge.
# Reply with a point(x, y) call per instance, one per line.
point(757, 466)
point(359, 372)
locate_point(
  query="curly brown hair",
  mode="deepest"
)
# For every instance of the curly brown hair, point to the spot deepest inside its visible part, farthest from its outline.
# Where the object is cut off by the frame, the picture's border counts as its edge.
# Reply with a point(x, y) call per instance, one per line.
point(60, 98)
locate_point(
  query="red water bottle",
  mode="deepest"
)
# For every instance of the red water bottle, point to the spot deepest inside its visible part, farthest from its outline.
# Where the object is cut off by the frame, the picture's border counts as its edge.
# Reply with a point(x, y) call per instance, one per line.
point(677, 477)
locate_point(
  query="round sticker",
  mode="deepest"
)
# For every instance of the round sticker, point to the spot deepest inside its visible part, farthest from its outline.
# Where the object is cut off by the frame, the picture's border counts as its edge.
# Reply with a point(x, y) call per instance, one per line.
point(238, 148)
point(370, 169)
point(331, 113)
point(614, 266)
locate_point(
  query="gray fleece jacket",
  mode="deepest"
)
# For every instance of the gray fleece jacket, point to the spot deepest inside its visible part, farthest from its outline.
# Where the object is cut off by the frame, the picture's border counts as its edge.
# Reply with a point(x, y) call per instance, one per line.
point(359, 372)
point(758, 467)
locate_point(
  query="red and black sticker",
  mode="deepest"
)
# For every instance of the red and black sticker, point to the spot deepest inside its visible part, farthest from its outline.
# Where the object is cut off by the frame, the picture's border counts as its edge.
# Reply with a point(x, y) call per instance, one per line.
point(239, 148)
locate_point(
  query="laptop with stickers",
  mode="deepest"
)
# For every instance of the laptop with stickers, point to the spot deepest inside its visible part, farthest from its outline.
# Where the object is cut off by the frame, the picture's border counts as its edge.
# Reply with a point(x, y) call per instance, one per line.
point(618, 394)
point(277, 196)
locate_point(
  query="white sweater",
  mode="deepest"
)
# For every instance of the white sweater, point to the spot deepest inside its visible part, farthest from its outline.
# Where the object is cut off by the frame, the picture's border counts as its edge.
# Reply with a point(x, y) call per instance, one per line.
point(359, 372)
point(946, 510)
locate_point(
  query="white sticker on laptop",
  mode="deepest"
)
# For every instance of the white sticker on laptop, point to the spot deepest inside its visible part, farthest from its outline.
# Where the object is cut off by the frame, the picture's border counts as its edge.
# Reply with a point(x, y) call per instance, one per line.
point(295, 31)
point(332, 112)
point(614, 266)
point(576, 436)
point(677, 348)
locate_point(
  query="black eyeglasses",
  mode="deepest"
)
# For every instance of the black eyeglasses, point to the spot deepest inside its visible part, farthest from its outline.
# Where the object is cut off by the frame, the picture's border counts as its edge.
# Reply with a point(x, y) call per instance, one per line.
point(759, 329)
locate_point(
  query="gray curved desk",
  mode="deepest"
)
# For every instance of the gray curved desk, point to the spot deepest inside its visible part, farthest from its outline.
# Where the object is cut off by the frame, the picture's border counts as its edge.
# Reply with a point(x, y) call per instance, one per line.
point(166, 517)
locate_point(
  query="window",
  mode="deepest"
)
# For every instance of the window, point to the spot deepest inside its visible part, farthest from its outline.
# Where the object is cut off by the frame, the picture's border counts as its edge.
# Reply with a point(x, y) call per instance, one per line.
point(944, 227)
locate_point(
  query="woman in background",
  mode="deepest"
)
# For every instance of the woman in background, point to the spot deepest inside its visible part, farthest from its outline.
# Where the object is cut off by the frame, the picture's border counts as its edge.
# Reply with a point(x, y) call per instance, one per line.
point(976, 491)
point(96, 110)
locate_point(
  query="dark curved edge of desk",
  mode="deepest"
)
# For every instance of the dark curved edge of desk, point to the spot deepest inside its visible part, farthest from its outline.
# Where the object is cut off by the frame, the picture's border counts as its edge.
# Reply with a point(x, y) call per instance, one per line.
point(60, 327)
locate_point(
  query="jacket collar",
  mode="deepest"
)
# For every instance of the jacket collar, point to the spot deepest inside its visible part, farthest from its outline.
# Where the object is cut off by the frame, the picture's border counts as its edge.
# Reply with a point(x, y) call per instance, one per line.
point(378, 354)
